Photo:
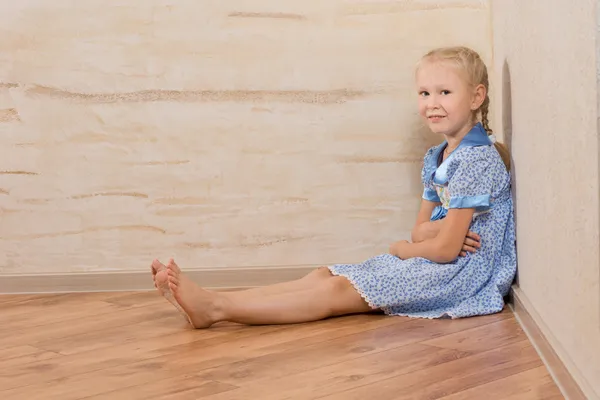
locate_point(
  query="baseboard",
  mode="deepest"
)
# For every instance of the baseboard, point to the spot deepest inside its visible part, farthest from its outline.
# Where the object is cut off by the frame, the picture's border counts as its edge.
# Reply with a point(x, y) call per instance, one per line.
point(110, 281)
point(548, 349)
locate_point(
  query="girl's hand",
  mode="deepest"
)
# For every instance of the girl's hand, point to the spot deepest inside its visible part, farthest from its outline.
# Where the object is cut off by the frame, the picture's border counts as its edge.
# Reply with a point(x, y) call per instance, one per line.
point(399, 248)
point(471, 244)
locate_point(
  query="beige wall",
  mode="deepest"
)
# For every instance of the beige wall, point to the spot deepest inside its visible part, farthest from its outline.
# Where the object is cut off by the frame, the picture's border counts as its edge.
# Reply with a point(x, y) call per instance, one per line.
point(258, 133)
point(550, 105)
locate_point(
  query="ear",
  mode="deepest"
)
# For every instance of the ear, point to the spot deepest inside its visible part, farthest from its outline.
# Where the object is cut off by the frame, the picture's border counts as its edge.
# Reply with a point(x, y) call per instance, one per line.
point(479, 94)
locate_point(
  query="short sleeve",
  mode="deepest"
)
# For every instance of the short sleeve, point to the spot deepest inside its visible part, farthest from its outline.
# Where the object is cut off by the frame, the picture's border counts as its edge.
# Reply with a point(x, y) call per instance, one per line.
point(429, 166)
point(471, 180)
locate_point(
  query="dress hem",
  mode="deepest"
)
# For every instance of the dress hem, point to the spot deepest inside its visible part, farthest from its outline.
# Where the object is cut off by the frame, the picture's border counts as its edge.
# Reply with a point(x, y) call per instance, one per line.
point(387, 309)
point(355, 286)
point(450, 315)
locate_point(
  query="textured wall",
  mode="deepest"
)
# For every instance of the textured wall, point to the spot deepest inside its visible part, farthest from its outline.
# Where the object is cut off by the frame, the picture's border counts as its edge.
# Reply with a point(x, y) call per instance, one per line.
point(233, 133)
point(545, 55)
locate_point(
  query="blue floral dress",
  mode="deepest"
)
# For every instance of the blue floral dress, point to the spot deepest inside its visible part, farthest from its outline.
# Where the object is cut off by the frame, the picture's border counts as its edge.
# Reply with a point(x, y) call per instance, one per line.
point(473, 176)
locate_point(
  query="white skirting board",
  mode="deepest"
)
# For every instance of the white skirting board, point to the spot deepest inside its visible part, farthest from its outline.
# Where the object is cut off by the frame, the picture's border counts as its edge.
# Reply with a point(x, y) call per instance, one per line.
point(217, 278)
point(565, 374)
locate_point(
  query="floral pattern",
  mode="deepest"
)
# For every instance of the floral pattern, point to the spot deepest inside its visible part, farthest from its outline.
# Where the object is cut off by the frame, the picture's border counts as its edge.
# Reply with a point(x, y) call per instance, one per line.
point(444, 195)
point(472, 285)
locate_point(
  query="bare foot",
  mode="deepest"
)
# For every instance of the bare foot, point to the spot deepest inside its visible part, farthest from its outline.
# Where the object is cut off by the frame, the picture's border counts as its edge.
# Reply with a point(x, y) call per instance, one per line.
point(199, 304)
point(161, 283)
point(160, 277)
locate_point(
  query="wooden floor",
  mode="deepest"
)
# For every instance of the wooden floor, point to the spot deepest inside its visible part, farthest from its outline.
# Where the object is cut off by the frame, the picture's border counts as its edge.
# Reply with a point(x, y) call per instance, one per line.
point(136, 346)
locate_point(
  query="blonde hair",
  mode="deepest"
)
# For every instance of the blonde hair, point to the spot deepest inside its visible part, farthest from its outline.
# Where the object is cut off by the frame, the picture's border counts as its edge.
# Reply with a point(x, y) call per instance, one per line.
point(475, 71)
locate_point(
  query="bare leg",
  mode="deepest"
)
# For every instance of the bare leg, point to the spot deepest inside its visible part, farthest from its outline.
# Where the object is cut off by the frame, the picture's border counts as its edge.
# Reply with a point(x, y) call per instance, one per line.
point(159, 276)
point(306, 282)
point(328, 296)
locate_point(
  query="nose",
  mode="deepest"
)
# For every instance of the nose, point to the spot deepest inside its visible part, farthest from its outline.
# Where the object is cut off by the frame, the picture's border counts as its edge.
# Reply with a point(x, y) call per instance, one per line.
point(432, 101)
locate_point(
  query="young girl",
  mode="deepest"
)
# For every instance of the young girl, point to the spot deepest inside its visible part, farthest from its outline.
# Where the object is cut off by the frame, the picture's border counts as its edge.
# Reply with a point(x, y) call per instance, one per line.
point(462, 258)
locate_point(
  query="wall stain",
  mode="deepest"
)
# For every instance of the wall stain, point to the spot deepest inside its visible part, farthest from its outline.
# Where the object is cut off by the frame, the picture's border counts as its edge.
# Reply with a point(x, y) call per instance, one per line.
point(268, 243)
point(124, 194)
point(244, 243)
point(18, 173)
point(288, 96)
point(294, 200)
point(374, 159)
point(275, 15)
point(174, 162)
point(9, 115)
point(148, 228)
point(199, 245)
point(34, 201)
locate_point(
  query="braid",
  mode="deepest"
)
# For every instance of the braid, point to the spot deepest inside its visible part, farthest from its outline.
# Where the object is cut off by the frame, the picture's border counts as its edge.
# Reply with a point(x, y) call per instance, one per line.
point(484, 109)
point(484, 115)
point(485, 106)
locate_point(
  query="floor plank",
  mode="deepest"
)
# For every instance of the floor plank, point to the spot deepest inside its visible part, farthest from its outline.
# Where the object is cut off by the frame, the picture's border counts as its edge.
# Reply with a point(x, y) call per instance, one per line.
point(269, 364)
point(481, 338)
point(186, 387)
point(137, 346)
point(13, 356)
point(532, 384)
point(451, 377)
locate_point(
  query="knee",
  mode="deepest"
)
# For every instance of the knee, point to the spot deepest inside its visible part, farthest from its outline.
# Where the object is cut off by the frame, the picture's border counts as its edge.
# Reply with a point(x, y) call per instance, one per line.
point(329, 282)
point(338, 284)
point(320, 273)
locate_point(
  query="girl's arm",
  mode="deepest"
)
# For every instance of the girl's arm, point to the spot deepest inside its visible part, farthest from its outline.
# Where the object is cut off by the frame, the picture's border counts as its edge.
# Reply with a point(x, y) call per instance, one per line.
point(426, 230)
point(446, 246)
point(423, 227)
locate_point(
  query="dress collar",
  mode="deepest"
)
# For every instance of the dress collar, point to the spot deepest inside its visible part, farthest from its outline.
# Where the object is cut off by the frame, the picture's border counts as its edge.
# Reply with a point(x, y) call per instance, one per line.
point(477, 136)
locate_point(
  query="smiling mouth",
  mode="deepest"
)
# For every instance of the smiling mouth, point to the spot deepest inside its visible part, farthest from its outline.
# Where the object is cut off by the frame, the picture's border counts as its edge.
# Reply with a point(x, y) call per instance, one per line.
point(436, 116)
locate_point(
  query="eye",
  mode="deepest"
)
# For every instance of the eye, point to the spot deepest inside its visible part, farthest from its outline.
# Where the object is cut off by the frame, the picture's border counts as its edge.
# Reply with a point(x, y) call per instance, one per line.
point(423, 93)
point(445, 92)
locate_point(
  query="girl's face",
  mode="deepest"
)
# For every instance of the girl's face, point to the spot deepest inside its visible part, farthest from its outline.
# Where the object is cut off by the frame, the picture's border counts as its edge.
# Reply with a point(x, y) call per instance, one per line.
point(446, 100)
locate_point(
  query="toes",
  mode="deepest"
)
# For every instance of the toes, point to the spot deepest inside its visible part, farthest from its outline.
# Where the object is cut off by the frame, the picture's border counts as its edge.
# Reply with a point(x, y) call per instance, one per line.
point(174, 266)
point(174, 280)
point(173, 285)
point(157, 266)
point(172, 273)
